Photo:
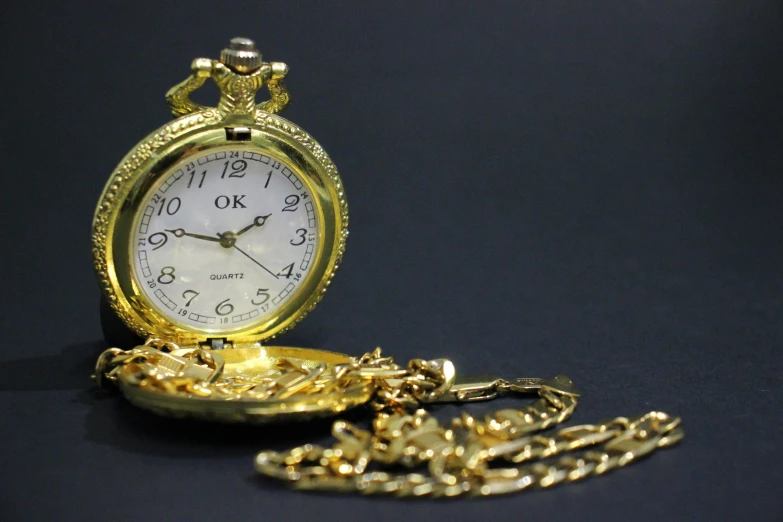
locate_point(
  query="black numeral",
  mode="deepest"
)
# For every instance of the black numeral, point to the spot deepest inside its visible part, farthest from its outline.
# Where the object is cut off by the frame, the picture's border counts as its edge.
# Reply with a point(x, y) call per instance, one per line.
point(291, 203)
point(171, 208)
point(264, 294)
point(287, 271)
point(268, 177)
point(158, 243)
point(185, 296)
point(200, 183)
point(238, 168)
point(224, 307)
point(300, 234)
point(167, 273)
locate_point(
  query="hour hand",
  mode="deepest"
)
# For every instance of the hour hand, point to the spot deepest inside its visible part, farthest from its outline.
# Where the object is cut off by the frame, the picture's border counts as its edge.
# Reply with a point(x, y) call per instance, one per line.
point(257, 222)
point(179, 232)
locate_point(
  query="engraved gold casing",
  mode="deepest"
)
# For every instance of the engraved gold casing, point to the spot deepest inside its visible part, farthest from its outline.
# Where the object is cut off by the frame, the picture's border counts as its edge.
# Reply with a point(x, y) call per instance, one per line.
point(241, 124)
point(248, 364)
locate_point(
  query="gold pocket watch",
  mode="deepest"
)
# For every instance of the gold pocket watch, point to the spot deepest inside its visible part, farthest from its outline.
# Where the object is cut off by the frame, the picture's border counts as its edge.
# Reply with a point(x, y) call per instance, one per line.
point(223, 229)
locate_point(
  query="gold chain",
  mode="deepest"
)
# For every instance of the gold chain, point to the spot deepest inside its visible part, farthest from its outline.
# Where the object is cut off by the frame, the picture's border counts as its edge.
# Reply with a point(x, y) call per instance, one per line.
point(447, 460)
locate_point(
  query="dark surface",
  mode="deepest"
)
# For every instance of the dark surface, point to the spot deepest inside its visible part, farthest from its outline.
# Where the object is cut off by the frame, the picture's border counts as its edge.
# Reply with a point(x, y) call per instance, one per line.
point(556, 188)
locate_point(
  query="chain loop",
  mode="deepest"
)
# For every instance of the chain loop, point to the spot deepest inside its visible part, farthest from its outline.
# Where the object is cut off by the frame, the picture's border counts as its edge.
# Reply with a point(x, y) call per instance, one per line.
point(460, 457)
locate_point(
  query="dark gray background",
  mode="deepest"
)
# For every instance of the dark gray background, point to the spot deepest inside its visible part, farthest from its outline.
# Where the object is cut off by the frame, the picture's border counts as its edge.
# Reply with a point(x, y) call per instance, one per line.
point(590, 188)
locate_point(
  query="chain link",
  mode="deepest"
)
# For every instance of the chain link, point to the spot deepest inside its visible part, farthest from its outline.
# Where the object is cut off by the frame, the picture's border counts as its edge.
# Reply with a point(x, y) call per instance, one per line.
point(465, 456)
point(458, 457)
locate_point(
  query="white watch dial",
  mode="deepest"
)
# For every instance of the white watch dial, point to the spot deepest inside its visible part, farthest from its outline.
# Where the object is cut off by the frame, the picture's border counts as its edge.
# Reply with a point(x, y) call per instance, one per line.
point(222, 241)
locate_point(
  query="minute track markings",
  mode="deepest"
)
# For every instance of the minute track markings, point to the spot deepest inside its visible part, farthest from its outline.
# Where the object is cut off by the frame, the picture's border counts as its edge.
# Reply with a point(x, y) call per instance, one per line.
point(196, 180)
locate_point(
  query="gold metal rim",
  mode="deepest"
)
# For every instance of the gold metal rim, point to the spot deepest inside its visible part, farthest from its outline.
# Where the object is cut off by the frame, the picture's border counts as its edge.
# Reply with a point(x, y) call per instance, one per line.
point(257, 412)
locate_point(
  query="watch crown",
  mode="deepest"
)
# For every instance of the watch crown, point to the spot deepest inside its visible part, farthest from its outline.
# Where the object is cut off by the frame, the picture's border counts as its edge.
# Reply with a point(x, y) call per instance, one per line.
point(241, 55)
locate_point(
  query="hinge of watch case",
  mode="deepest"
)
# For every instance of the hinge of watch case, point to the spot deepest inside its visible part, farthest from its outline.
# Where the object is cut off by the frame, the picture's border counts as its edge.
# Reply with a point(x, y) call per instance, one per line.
point(237, 134)
point(215, 343)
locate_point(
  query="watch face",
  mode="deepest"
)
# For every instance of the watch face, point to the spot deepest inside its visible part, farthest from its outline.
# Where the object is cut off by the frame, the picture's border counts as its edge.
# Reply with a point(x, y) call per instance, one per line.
point(222, 241)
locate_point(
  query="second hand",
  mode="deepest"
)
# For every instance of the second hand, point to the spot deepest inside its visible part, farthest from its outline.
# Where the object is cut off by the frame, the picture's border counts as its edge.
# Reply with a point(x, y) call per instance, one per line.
point(253, 260)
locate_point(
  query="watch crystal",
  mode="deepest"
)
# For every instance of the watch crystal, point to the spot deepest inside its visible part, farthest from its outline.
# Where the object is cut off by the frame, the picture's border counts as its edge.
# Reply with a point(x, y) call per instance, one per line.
point(223, 239)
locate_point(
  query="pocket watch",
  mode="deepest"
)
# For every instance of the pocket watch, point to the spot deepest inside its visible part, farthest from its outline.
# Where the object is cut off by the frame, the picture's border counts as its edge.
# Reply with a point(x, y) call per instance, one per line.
point(225, 226)
point(223, 229)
